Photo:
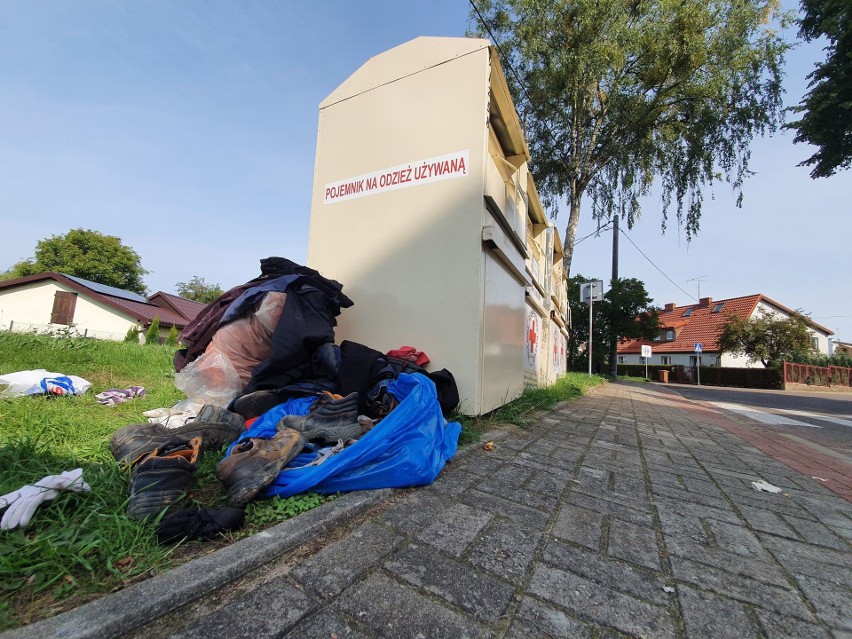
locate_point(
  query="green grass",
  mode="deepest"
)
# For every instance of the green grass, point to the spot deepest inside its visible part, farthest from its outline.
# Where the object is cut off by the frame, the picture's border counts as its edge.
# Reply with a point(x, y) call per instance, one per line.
point(81, 545)
point(522, 410)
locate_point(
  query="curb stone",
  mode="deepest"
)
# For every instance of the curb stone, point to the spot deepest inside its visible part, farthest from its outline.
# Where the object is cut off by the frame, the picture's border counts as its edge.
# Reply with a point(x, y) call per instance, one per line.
point(132, 607)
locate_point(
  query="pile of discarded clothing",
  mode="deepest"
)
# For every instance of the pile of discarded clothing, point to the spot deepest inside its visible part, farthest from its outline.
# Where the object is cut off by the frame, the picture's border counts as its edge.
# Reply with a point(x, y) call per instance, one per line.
point(298, 412)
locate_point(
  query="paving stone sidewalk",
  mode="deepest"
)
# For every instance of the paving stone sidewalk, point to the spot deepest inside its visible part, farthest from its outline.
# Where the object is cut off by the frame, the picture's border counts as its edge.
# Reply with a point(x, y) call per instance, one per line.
point(627, 513)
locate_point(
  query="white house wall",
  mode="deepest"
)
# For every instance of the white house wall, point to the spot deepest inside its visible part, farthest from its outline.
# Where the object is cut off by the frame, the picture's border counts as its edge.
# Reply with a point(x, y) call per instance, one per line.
point(28, 308)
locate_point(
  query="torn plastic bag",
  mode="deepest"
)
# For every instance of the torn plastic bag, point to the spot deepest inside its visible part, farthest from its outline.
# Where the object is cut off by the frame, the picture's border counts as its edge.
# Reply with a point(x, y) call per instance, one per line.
point(209, 379)
point(409, 447)
point(224, 368)
point(41, 382)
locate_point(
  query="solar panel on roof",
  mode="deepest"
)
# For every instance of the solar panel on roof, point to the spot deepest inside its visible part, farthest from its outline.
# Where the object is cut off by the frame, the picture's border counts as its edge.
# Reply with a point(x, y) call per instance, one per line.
point(112, 291)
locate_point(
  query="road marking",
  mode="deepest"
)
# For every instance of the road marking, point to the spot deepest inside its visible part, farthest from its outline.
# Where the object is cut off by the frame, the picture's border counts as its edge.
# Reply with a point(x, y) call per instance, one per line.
point(824, 418)
point(760, 416)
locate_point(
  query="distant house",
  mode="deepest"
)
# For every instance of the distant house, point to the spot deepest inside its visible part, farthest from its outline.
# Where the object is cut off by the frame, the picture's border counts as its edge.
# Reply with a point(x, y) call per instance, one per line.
point(682, 327)
point(842, 348)
point(46, 302)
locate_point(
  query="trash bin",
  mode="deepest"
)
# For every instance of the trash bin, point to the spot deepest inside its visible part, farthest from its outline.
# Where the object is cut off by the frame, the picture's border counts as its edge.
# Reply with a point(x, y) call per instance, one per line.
point(664, 376)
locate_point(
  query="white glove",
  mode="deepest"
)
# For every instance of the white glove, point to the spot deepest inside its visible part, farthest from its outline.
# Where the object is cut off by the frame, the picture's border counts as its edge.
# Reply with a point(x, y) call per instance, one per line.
point(23, 502)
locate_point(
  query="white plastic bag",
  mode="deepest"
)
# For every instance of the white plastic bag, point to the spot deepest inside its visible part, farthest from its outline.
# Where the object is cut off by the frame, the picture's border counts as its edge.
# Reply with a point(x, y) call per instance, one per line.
point(42, 382)
point(209, 379)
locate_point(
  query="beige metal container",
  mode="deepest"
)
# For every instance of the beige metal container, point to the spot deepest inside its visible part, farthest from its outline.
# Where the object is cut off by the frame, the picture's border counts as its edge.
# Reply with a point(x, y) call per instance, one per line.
point(420, 209)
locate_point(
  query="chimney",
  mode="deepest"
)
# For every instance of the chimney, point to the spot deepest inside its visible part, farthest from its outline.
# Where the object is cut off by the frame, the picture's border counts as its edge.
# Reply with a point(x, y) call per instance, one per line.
point(704, 302)
point(669, 307)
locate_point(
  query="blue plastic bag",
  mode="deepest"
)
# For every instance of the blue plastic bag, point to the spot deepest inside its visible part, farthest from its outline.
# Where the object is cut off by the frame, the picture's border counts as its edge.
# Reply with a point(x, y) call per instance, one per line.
point(409, 447)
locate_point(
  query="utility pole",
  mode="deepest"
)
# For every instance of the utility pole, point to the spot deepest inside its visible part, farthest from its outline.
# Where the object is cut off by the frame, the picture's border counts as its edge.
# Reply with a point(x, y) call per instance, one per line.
point(613, 338)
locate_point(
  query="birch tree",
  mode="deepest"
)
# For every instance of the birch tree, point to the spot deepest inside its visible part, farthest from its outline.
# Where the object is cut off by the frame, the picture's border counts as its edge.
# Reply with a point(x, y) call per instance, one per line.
point(618, 95)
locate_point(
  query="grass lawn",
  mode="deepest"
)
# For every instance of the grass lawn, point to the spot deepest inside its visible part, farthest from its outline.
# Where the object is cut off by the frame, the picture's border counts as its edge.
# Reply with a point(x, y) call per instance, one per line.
point(81, 545)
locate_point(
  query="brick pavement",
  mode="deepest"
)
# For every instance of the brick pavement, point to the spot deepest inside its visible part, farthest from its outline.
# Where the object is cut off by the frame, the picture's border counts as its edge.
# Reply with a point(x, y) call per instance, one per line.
point(627, 513)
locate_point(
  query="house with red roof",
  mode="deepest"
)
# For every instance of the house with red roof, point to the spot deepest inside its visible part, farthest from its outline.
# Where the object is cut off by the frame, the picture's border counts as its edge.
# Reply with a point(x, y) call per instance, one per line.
point(682, 327)
point(46, 302)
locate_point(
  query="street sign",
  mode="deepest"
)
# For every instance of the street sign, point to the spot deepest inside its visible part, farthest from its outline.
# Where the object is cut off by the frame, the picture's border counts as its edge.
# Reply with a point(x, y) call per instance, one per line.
point(646, 351)
point(698, 347)
point(593, 288)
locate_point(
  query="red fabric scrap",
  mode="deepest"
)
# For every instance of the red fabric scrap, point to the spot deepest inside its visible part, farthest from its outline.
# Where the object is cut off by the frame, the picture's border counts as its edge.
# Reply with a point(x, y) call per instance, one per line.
point(411, 354)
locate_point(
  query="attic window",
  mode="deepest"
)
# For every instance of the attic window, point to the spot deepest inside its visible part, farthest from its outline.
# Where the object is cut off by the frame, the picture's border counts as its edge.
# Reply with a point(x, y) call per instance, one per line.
point(670, 335)
point(718, 307)
point(64, 304)
point(688, 311)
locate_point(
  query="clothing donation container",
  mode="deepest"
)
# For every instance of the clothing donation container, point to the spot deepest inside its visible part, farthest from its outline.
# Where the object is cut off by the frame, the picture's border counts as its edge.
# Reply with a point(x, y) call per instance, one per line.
point(424, 209)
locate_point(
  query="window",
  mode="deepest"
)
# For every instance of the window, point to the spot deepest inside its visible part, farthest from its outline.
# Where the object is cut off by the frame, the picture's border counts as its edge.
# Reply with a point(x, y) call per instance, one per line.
point(670, 334)
point(657, 338)
point(718, 307)
point(815, 343)
point(688, 311)
point(64, 304)
point(666, 360)
point(621, 359)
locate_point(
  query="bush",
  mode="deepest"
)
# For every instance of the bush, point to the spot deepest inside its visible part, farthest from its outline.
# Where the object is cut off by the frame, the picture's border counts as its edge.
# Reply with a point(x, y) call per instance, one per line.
point(132, 335)
point(152, 335)
point(172, 338)
point(710, 375)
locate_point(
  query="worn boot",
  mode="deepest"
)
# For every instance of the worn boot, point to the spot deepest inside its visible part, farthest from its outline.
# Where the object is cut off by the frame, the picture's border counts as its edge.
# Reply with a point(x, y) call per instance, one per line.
point(331, 434)
point(161, 478)
point(329, 411)
point(254, 463)
point(216, 427)
point(257, 403)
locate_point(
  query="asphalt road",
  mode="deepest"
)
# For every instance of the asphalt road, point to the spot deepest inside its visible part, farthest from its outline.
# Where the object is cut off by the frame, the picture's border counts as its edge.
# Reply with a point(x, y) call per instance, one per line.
point(822, 418)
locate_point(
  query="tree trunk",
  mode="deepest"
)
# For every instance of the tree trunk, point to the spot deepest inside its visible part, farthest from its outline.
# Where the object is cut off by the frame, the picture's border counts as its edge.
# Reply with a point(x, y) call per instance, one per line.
point(571, 230)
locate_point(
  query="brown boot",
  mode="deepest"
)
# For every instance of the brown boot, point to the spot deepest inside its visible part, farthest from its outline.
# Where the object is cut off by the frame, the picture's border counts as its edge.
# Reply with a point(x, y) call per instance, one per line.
point(255, 463)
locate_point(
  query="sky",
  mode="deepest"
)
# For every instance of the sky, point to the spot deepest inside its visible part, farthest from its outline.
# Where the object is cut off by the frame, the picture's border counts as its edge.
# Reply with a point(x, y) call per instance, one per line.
point(188, 129)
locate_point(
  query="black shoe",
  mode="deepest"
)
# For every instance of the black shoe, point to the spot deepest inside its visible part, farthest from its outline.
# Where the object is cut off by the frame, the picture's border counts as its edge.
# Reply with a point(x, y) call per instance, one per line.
point(257, 403)
point(327, 412)
point(162, 478)
point(216, 427)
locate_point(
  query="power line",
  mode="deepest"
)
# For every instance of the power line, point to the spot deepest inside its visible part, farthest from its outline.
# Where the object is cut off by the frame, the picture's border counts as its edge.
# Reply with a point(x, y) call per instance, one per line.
point(597, 232)
point(655, 266)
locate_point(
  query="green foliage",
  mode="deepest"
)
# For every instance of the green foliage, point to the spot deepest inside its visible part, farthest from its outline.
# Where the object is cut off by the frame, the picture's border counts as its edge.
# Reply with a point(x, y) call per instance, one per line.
point(87, 254)
point(616, 94)
point(268, 511)
point(626, 312)
point(197, 289)
point(827, 107)
point(172, 337)
point(767, 338)
point(132, 335)
point(152, 335)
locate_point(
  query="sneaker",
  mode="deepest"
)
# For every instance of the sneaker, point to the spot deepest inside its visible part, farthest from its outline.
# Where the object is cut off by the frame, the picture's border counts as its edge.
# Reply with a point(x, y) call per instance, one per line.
point(162, 478)
point(216, 427)
point(255, 463)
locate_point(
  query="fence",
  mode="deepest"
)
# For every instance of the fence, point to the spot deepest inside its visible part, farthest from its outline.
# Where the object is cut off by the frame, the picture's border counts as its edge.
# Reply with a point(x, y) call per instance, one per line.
point(817, 375)
point(58, 330)
point(710, 375)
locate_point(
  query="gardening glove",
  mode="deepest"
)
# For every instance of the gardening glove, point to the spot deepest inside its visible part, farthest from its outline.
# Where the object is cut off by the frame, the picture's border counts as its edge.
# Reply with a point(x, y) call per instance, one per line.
point(22, 503)
point(192, 523)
